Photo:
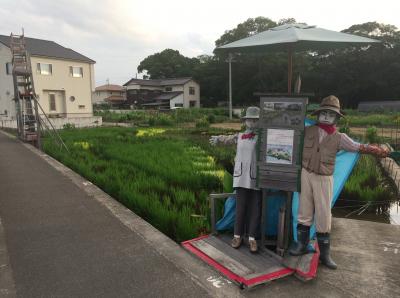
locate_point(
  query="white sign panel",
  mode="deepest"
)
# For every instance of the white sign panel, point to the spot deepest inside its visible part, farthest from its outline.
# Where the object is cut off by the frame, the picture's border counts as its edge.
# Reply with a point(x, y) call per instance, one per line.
point(280, 146)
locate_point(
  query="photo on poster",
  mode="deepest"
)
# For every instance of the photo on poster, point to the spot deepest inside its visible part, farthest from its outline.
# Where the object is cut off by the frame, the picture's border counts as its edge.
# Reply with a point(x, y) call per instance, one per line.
point(283, 113)
point(280, 146)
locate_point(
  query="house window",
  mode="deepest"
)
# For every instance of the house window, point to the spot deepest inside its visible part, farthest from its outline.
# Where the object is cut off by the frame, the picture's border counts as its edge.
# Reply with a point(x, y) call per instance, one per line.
point(44, 69)
point(52, 102)
point(192, 103)
point(81, 106)
point(168, 89)
point(76, 71)
point(9, 68)
point(179, 105)
point(191, 90)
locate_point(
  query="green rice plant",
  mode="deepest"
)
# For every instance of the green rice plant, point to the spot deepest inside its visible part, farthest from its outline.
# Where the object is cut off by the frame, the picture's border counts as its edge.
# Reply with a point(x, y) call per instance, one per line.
point(163, 177)
point(202, 123)
point(371, 135)
point(367, 182)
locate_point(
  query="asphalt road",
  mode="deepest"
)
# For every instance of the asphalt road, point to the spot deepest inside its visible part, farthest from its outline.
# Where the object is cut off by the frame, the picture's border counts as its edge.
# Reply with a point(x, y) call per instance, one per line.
point(63, 243)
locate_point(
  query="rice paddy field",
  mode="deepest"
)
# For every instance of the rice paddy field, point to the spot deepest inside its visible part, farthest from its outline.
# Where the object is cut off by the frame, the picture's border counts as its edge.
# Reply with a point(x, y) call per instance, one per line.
point(163, 175)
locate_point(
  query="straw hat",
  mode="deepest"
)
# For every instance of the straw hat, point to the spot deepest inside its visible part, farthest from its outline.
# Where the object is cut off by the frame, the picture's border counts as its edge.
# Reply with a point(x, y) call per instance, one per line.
point(331, 103)
point(252, 113)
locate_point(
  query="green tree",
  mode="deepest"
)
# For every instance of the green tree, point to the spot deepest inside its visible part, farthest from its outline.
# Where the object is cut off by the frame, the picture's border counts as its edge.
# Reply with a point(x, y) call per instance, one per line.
point(359, 73)
point(250, 27)
point(168, 64)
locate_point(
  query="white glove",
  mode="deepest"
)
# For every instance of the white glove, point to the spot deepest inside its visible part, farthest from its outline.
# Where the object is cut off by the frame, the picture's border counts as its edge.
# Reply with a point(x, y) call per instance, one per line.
point(213, 140)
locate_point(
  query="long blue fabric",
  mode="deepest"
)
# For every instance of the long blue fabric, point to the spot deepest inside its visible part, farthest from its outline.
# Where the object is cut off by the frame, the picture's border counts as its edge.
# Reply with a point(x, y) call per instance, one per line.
point(345, 162)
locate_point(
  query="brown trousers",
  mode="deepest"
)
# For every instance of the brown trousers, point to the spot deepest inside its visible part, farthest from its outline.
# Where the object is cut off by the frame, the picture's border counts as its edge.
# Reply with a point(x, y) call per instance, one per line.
point(316, 197)
point(248, 202)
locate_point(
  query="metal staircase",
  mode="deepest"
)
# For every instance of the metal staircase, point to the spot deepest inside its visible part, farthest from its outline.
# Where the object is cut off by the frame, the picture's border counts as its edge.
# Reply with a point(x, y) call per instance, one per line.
point(30, 123)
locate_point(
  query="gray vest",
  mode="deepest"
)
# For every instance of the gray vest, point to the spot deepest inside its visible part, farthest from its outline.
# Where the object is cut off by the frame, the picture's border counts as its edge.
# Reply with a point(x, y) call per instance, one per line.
point(320, 158)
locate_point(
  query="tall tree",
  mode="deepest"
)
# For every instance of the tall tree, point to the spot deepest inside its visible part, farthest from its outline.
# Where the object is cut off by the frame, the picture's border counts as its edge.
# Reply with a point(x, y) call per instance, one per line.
point(250, 27)
point(168, 64)
point(360, 73)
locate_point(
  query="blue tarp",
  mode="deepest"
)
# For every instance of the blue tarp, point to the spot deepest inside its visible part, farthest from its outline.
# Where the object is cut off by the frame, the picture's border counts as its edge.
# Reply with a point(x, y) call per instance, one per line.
point(345, 162)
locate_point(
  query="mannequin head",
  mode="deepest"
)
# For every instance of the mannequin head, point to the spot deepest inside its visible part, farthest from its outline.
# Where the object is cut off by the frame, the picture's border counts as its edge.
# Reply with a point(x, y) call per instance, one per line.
point(251, 118)
point(327, 117)
point(251, 123)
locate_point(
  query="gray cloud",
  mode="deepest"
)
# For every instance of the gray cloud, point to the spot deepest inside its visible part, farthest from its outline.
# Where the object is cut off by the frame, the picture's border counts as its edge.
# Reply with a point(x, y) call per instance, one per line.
point(93, 28)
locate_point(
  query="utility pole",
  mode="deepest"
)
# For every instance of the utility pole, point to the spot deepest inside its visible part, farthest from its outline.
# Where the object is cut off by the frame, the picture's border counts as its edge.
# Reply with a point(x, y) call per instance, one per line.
point(230, 58)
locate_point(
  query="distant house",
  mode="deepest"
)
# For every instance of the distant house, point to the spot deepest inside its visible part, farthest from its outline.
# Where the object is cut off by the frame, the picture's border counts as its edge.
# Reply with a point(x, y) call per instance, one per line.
point(109, 93)
point(63, 79)
point(379, 106)
point(163, 93)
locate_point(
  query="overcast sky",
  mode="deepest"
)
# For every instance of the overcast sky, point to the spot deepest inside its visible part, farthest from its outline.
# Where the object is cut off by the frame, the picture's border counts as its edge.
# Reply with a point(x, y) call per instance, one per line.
point(118, 34)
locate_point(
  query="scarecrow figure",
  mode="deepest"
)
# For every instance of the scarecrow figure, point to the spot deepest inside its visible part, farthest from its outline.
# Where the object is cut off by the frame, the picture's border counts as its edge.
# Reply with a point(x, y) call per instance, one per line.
point(248, 196)
point(321, 143)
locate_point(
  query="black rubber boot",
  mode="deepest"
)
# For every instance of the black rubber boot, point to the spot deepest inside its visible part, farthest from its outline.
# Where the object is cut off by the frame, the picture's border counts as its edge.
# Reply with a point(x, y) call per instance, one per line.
point(324, 249)
point(303, 238)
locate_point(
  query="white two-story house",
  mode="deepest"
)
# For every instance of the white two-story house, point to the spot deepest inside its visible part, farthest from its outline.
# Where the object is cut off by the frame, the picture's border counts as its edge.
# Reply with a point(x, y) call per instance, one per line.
point(63, 79)
point(163, 93)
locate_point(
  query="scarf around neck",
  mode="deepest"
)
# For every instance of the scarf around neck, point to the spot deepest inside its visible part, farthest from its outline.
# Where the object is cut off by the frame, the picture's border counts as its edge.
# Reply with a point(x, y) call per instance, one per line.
point(329, 128)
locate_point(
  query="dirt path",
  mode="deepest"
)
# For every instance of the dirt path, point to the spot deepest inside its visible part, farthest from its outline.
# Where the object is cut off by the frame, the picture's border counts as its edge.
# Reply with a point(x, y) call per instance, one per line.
point(228, 125)
point(385, 132)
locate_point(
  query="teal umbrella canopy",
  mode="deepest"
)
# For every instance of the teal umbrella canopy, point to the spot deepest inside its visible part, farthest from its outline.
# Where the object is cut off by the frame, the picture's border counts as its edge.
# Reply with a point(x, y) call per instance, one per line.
point(298, 37)
point(294, 37)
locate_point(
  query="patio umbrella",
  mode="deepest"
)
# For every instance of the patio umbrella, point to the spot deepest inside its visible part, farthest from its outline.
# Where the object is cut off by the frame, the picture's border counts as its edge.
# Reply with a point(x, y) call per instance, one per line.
point(290, 38)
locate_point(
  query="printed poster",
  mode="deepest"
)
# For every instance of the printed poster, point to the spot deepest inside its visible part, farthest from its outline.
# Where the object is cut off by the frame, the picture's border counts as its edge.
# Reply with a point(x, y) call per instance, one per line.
point(280, 146)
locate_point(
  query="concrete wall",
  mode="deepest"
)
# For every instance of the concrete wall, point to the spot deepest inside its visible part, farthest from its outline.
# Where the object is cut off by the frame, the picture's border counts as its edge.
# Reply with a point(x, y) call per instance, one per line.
point(62, 82)
point(6, 85)
point(188, 97)
point(176, 100)
point(58, 123)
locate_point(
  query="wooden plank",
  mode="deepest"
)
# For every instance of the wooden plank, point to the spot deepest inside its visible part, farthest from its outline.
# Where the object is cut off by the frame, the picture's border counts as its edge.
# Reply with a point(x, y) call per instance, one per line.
point(222, 258)
point(242, 255)
point(258, 262)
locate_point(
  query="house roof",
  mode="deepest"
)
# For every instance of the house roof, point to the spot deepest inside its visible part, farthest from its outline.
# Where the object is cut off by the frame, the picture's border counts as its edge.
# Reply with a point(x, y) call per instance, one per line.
point(158, 82)
point(109, 87)
point(167, 95)
point(47, 48)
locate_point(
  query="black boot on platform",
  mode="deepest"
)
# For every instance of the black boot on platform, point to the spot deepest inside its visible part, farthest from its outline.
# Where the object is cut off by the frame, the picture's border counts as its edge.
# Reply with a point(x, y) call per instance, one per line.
point(303, 238)
point(324, 249)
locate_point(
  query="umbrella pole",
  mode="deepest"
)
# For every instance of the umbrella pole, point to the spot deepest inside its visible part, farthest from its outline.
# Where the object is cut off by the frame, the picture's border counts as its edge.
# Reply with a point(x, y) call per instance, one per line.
point(290, 63)
point(230, 85)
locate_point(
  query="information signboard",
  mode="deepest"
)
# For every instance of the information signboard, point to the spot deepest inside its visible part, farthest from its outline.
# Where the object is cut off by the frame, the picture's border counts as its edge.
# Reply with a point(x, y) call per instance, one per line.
point(281, 130)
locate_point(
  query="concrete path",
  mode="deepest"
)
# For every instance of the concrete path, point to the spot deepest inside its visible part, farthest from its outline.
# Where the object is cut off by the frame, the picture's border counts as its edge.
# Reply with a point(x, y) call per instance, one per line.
point(61, 236)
